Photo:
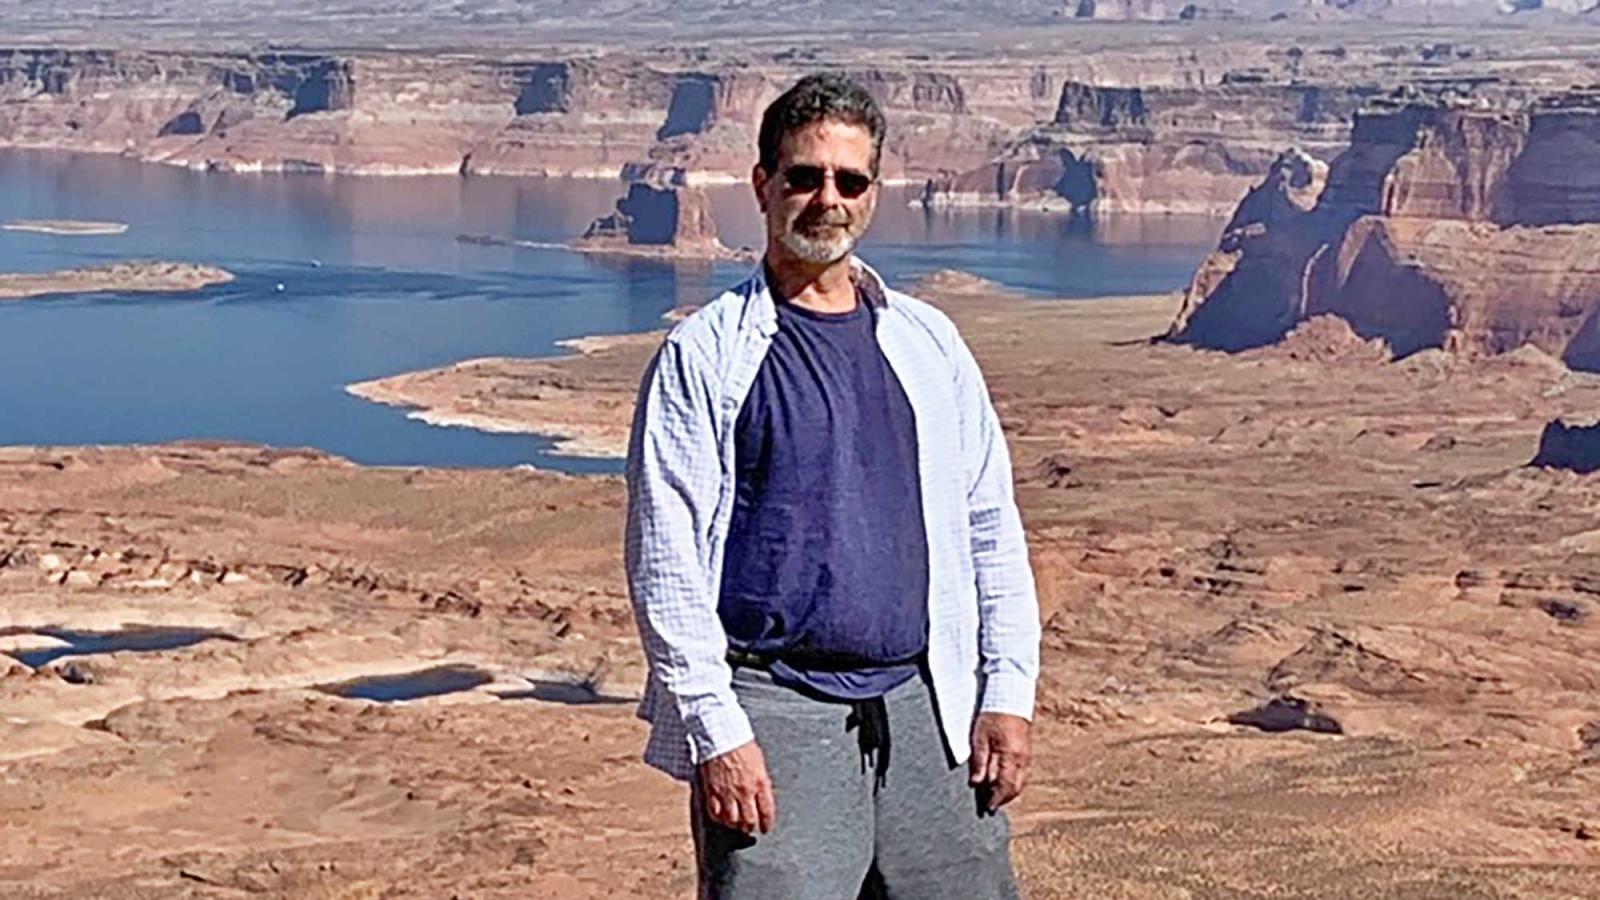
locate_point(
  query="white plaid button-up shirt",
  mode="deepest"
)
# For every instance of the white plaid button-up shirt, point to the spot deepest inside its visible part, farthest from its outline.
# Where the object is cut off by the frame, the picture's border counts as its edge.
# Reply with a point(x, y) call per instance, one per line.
point(983, 616)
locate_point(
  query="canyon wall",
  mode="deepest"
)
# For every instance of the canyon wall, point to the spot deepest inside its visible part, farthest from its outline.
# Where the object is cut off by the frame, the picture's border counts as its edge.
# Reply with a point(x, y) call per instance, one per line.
point(1169, 127)
point(1469, 230)
point(1173, 149)
point(454, 24)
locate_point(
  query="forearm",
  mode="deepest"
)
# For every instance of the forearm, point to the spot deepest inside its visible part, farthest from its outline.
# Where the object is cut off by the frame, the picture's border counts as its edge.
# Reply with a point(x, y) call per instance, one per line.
point(1008, 607)
point(1008, 613)
point(686, 652)
point(673, 477)
point(682, 635)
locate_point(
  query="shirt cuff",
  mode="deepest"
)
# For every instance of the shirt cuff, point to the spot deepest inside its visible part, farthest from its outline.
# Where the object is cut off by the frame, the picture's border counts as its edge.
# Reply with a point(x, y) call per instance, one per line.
point(1008, 692)
point(717, 727)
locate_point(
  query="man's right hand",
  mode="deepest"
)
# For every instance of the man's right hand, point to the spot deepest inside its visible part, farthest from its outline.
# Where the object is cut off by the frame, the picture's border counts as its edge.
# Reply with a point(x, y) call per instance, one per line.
point(738, 791)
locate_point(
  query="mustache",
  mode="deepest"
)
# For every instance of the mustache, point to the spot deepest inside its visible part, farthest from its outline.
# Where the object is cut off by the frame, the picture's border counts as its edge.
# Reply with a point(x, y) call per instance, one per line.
point(825, 217)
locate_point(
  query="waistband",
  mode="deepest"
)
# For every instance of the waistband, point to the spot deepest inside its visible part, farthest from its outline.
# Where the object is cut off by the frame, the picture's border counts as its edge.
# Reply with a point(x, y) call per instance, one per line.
point(812, 662)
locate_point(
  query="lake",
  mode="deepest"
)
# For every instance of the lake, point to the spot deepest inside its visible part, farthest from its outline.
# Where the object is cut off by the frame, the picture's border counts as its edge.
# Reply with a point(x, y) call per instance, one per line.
point(374, 283)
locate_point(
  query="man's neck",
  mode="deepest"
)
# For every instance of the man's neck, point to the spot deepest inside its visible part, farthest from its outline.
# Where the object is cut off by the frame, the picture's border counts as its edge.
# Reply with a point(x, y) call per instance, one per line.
point(825, 289)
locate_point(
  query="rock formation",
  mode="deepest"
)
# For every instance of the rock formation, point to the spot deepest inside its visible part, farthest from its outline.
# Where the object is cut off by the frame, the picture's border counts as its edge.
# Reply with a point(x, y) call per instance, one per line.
point(1468, 230)
point(657, 219)
point(1123, 123)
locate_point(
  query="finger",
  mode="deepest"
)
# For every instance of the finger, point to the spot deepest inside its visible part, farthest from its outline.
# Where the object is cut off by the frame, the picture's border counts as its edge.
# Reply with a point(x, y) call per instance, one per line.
point(730, 813)
point(997, 758)
point(766, 806)
point(1008, 783)
point(1004, 792)
point(978, 765)
point(749, 818)
point(716, 810)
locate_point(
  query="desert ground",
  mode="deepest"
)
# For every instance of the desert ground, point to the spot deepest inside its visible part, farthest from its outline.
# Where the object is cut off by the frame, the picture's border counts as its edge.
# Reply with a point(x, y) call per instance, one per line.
point(1313, 628)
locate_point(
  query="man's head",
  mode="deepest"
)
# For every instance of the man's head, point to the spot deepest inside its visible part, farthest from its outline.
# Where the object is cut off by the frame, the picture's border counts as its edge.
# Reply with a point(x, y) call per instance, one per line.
point(817, 179)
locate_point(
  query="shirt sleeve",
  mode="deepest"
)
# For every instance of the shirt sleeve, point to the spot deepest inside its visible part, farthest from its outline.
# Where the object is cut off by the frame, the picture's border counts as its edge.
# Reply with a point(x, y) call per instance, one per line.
point(674, 476)
point(1008, 606)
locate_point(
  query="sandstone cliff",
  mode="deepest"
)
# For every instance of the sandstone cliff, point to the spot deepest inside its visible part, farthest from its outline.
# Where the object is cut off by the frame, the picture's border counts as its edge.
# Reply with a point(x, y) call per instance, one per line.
point(1192, 139)
point(1171, 149)
point(1468, 230)
point(1124, 122)
point(521, 23)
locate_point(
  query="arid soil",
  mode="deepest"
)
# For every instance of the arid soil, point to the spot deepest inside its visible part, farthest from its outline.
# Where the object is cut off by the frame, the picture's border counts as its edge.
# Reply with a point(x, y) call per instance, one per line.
point(138, 276)
point(1312, 629)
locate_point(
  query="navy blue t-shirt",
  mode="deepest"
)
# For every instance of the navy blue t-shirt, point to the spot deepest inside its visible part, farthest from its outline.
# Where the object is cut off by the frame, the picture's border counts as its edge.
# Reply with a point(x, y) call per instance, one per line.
point(826, 562)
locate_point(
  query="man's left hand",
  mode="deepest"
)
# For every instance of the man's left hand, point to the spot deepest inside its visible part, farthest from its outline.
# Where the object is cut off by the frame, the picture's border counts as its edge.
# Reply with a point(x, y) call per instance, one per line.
point(1002, 752)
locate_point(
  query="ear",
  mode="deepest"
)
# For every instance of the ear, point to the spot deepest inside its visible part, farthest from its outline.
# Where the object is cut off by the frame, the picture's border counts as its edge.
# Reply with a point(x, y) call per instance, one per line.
point(758, 181)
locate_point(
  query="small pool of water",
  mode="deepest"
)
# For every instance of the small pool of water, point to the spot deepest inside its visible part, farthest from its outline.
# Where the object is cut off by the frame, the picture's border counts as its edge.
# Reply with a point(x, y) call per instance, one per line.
point(137, 639)
point(562, 692)
point(410, 685)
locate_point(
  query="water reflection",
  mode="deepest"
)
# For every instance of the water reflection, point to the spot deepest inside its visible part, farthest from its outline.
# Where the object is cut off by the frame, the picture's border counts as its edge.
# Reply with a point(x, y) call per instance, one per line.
point(134, 639)
point(410, 685)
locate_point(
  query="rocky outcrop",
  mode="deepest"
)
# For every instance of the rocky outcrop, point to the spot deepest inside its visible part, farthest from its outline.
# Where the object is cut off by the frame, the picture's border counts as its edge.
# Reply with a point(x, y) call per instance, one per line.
point(657, 219)
point(1239, 299)
point(1466, 230)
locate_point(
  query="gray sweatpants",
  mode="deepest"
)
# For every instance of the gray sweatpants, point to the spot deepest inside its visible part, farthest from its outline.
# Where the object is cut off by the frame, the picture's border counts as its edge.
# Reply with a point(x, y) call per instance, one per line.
point(900, 822)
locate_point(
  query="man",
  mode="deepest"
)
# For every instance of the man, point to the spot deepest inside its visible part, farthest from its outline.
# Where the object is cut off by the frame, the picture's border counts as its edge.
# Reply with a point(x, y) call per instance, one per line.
point(825, 559)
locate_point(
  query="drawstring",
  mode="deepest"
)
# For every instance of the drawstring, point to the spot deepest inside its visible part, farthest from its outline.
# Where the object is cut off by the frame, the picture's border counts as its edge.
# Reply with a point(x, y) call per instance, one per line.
point(870, 718)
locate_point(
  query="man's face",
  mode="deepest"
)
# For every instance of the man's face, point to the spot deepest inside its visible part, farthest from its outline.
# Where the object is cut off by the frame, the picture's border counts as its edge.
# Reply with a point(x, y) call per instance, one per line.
point(820, 199)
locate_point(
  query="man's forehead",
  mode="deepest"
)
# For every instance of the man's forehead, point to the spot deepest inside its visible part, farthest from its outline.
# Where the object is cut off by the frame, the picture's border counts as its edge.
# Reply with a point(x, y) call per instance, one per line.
point(828, 138)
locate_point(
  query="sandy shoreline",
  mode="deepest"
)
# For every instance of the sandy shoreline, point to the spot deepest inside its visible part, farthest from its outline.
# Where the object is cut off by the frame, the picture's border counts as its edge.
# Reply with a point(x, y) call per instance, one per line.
point(130, 277)
point(577, 400)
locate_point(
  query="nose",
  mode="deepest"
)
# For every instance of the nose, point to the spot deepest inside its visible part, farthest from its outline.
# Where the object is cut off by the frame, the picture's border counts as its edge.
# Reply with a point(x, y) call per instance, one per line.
point(828, 194)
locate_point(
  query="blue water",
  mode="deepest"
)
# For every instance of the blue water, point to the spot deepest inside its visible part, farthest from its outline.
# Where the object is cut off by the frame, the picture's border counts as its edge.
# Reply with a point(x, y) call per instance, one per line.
point(137, 639)
point(411, 685)
point(374, 283)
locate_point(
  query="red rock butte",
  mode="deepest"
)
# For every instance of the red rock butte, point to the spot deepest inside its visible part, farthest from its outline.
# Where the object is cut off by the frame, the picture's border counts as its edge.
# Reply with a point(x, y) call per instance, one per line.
point(1464, 229)
point(663, 217)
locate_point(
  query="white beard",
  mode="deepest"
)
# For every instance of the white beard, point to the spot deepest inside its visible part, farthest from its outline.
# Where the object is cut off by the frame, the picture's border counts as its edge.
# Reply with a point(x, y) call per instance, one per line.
point(819, 250)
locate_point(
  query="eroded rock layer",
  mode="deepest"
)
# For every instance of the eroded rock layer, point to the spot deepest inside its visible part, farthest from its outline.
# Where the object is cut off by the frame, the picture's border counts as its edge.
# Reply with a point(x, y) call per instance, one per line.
point(1160, 122)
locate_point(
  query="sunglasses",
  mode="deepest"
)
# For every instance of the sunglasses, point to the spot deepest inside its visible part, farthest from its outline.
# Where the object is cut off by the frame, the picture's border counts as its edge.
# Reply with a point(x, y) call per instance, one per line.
point(805, 179)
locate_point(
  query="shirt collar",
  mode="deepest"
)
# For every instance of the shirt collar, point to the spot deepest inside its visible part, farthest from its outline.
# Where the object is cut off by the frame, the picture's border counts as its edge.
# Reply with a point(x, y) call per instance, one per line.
point(761, 310)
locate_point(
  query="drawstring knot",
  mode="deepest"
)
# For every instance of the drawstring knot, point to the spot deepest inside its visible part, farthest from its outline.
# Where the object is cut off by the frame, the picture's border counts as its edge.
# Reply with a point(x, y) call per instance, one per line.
point(870, 718)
